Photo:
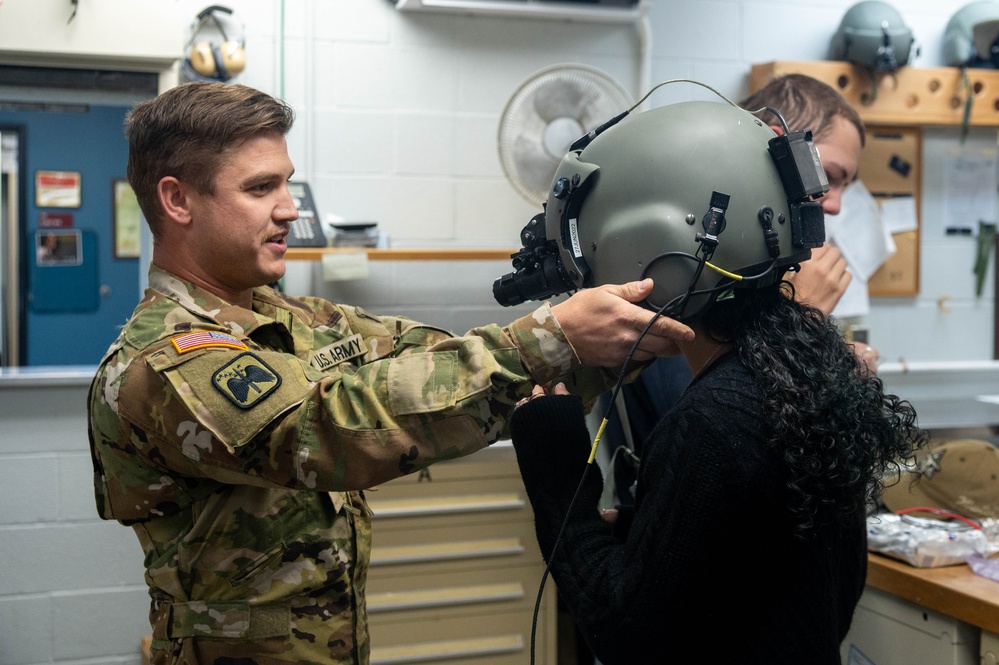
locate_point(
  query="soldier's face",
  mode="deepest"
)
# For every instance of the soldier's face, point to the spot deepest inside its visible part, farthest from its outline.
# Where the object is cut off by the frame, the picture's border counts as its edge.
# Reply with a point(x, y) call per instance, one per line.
point(238, 233)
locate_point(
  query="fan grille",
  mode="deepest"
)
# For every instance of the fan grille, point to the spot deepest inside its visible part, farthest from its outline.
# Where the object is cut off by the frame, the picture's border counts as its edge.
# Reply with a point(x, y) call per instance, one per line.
point(549, 111)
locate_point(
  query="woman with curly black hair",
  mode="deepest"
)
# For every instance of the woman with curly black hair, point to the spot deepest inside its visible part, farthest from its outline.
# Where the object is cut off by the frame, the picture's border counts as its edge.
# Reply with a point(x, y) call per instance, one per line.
point(746, 543)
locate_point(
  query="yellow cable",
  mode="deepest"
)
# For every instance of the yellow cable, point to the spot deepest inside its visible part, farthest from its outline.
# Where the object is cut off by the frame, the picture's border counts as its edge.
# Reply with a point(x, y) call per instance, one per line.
point(596, 441)
point(730, 275)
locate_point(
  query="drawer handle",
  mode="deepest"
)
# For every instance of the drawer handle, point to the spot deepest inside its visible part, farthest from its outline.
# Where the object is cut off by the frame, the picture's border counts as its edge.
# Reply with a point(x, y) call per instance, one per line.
point(446, 505)
point(428, 652)
point(469, 549)
point(444, 597)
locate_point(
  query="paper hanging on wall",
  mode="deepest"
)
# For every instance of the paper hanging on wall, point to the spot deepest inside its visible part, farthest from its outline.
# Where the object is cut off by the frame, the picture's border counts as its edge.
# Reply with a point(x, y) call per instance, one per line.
point(339, 266)
point(969, 190)
point(57, 189)
point(866, 243)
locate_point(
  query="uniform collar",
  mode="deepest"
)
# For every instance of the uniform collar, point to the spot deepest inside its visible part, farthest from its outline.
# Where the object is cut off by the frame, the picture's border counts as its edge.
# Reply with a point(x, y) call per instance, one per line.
point(207, 305)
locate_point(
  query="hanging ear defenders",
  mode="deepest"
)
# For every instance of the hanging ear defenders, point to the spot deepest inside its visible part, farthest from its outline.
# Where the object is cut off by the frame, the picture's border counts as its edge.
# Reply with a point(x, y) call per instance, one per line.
point(208, 61)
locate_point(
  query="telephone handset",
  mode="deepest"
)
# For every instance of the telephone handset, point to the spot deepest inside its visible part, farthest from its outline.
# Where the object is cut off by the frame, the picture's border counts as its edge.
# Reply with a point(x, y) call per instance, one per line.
point(307, 230)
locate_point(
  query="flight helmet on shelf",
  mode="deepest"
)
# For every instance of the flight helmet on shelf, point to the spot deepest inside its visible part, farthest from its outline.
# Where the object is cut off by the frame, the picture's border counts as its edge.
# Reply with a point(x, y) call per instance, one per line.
point(873, 35)
point(971, 38)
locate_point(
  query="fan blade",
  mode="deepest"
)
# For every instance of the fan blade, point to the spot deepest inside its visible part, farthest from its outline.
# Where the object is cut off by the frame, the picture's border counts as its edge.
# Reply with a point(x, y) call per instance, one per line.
point(545, 115)
point(563, 98)
point(535, 166)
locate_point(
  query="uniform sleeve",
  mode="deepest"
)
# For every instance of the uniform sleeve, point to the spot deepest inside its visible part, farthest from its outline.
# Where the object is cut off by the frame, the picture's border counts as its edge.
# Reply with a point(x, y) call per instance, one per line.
point(415, 396)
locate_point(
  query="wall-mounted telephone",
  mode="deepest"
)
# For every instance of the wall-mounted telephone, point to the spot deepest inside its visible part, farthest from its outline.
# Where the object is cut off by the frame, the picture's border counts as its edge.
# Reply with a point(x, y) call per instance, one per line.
point(307, 230)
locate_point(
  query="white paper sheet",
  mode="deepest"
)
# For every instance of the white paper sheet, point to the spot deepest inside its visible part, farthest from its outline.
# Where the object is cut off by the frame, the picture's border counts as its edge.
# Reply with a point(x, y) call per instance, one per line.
point(855, 301)
point(338, 266)
point(866, 243)
point(969, 190)
point(859, 232)
point(898, 214)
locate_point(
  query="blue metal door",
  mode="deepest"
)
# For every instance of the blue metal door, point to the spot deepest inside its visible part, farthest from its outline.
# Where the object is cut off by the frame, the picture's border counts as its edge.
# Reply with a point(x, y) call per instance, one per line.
point(75, 300)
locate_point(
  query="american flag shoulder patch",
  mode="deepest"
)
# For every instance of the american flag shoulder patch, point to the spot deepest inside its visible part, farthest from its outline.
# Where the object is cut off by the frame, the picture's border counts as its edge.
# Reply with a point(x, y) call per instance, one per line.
point(205, 339)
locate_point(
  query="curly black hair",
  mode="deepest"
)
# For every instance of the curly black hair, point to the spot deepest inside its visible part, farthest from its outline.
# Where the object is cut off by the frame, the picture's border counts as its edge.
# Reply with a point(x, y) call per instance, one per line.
point(837, 430)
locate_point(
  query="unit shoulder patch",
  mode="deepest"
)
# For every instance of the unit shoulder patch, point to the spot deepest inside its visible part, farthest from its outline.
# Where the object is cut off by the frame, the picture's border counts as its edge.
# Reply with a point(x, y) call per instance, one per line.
point(204, 339)
point(246, 380)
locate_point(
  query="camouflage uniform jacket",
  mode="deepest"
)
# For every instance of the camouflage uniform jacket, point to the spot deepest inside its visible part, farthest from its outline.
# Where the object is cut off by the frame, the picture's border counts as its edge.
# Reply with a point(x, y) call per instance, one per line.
point(236, 443)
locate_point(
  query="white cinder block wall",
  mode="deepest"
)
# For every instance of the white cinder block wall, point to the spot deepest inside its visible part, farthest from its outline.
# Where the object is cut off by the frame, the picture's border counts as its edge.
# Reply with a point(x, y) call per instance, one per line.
point(397, 123)
point(399, 114)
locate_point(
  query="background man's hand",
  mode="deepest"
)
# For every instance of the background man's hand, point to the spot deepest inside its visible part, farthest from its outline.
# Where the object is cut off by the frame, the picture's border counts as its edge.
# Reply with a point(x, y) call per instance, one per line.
point(602, 324)
point(822, 280)
point(867, 355)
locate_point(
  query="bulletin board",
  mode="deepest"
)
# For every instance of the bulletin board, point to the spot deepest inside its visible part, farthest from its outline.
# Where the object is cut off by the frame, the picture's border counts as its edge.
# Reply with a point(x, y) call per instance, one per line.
point(890, 167)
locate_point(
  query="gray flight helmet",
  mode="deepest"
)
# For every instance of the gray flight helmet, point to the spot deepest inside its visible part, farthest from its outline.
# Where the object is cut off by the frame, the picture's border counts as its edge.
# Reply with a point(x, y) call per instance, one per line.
point(971, 37)
point(641, 198)
point(873, 35)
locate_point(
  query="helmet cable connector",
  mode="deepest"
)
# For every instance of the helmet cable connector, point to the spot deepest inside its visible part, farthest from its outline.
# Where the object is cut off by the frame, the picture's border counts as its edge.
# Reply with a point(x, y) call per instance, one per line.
point(770, 237)
point(586, 138)
point(713, 223)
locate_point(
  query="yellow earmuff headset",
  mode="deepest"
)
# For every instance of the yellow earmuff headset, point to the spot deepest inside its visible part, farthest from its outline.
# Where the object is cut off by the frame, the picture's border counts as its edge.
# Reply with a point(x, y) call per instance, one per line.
point(207, 60)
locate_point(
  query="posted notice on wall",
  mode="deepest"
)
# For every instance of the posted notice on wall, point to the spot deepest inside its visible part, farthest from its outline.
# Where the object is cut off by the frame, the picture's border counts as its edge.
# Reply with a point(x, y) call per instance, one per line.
point(970, 178)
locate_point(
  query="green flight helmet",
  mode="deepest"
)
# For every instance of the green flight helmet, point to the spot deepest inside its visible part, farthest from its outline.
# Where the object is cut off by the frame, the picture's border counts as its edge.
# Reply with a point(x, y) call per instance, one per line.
point(971, 38)
point(873, 35)
point(664, 190)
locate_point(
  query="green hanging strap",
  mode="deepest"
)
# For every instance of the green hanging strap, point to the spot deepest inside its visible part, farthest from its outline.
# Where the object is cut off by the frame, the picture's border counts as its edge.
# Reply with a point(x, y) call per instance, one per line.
point(986, 241)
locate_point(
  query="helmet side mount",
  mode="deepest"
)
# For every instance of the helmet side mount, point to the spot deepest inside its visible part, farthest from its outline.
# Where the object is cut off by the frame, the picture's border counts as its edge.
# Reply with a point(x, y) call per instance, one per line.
point(804, 179)
point(546, 267)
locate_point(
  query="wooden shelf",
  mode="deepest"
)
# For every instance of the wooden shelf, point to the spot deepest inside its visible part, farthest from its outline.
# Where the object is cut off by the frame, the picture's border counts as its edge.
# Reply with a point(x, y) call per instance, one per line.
point(401, 254)
point(911, 96)
point(952, 590)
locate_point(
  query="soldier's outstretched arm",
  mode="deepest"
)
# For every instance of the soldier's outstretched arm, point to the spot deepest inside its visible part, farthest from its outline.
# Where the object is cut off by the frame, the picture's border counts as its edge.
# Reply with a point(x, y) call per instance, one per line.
point(367, 398)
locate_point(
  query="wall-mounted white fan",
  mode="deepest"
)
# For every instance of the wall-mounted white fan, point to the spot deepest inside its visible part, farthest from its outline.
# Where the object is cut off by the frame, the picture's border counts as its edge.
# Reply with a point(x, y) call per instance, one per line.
point(551, 109)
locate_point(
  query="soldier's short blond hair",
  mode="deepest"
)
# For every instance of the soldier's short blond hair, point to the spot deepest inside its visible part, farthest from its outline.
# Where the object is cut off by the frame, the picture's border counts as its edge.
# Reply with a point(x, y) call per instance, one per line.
point(186, 131)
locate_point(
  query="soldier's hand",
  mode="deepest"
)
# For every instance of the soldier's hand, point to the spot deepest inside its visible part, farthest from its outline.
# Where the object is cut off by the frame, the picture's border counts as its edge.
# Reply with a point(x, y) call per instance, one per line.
point(602, 324)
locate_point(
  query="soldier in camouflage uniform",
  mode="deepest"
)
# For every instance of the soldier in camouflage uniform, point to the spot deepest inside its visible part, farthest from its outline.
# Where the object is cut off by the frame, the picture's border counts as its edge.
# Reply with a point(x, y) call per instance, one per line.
point(235, 428)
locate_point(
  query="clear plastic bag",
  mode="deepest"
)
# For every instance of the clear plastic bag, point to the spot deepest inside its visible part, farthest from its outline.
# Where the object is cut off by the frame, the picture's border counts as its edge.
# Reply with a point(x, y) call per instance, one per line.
point(930, 543)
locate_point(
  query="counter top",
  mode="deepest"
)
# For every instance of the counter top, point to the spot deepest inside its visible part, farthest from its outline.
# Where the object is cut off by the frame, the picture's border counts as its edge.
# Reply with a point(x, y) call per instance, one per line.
point(46, 376)
point(946, 394)
point(952, 590)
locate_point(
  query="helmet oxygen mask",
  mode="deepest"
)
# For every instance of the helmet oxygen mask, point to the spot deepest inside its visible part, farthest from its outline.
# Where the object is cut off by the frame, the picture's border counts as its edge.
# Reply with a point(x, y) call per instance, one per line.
point(700, 196)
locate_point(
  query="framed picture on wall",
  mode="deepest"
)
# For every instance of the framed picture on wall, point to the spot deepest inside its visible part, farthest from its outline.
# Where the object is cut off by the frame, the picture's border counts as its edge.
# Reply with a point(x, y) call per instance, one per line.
point(127, 220)
point(58, 247)
point(57, 189)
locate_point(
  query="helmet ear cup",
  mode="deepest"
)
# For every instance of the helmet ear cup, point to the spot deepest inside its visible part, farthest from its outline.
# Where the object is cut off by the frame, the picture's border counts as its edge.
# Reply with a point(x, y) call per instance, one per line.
point(208, 60)
point(232, 57)
point(201, 58)
point(672, 273)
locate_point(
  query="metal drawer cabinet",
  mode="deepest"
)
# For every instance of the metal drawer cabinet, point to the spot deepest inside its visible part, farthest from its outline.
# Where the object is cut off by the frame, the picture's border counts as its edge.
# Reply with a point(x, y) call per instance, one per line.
point(455, 567)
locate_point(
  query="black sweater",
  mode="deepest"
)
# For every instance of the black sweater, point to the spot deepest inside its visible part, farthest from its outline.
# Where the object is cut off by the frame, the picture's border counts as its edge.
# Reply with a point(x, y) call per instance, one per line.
point(710, 570)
